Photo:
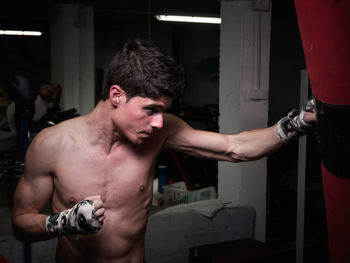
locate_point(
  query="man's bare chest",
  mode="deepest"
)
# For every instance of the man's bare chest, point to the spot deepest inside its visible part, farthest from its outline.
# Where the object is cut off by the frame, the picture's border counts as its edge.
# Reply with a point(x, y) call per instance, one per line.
point(118, 177)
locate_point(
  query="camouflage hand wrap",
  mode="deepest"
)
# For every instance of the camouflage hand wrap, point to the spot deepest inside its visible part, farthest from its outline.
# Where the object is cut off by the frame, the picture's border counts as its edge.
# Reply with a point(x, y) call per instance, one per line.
point(80, 219)
point(293, 125)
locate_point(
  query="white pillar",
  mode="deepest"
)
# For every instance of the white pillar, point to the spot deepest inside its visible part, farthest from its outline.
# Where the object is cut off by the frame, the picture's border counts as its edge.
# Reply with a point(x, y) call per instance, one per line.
point(72, 55)
point(243, 98)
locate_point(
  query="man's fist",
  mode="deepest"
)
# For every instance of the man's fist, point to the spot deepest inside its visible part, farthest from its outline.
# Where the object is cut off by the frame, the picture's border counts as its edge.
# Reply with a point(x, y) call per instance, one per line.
point(296, 124)
point(86, 217)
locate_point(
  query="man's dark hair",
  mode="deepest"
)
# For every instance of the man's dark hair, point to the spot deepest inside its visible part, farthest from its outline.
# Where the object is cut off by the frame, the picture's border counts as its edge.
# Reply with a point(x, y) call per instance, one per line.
point(141, 69)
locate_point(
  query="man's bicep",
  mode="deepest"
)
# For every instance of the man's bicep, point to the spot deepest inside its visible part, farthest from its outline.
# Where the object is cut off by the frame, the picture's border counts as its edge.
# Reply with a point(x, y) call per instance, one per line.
point(36, 185)
point(32, 194)
point(198, 143)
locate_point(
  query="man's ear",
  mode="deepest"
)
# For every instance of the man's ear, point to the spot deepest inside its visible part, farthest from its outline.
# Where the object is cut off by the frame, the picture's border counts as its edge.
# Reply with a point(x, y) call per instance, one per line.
point(115, 94)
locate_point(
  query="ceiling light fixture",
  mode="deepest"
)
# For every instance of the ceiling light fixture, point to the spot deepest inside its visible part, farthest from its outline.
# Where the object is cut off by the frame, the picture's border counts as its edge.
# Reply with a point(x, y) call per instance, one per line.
point(189, 19)
point(20, 33)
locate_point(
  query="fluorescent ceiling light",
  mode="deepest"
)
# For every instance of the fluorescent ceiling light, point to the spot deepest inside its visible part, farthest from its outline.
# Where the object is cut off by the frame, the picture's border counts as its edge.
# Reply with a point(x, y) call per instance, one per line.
point(190, 19)
point(20, 33)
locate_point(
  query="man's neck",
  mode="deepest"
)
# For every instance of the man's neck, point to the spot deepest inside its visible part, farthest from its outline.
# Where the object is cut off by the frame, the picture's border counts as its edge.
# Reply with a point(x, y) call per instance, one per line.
point(101, 128)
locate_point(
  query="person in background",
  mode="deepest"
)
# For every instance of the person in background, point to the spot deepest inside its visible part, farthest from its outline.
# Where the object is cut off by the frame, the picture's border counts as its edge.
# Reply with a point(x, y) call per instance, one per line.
point(47, 100)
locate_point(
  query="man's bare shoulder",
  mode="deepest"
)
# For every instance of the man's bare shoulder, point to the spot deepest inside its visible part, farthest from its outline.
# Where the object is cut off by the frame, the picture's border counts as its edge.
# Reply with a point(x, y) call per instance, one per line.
point(56, 136)
point(173, 123)
point(176, 131)
point(171, 120)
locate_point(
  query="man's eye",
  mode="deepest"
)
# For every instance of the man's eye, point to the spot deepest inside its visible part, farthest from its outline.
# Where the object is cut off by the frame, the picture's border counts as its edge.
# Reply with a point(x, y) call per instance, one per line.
point(150, 111)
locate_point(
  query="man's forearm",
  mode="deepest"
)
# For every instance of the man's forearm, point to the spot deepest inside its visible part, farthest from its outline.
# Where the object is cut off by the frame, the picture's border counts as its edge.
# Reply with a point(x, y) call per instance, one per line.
point(30, 227)
point(255, 144)
point(82, 218)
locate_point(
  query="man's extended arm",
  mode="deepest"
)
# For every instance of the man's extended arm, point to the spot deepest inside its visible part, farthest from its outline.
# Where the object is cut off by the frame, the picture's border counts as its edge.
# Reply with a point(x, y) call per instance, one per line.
point(244, 146)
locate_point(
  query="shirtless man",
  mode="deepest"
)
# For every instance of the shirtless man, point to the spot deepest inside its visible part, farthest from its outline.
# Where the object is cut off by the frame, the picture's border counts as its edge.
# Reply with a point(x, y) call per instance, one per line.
point(106, 159)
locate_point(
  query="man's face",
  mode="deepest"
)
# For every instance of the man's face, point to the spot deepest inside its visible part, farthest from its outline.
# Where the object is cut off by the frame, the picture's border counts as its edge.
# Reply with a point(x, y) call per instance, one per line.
point(138, 118)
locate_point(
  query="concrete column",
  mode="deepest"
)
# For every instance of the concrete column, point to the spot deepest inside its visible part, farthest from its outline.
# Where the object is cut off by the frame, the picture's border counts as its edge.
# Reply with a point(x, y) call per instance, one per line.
point(72, 55)
point(243, 98)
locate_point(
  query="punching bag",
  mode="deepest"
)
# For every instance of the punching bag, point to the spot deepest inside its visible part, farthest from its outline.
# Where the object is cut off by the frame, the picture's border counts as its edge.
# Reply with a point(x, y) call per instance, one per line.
point(325, 32)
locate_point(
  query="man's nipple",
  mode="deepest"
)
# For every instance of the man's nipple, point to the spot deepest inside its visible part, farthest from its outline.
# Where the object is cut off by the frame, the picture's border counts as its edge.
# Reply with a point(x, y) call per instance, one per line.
point(72, 200)
point(142, 188)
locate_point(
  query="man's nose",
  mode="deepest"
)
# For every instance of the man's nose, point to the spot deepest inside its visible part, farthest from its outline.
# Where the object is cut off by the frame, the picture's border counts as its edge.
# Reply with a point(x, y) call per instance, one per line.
point(157, 120)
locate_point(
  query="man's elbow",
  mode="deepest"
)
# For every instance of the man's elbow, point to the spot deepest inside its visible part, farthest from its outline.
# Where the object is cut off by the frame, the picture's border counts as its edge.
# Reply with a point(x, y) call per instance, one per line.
point(238, 157)
point(18, 233)
point(236, 152)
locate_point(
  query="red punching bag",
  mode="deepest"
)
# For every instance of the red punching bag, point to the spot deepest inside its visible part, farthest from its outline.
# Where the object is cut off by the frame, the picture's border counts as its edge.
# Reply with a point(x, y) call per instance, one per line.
point(325, 32)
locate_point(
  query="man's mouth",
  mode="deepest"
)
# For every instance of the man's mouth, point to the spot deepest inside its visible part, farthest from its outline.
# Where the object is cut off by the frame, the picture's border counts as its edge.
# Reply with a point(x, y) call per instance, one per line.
point(146, 134)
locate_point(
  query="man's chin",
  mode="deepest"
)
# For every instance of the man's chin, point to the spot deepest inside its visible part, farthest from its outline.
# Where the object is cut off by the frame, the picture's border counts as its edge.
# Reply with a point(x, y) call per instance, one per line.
point(139, 140)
